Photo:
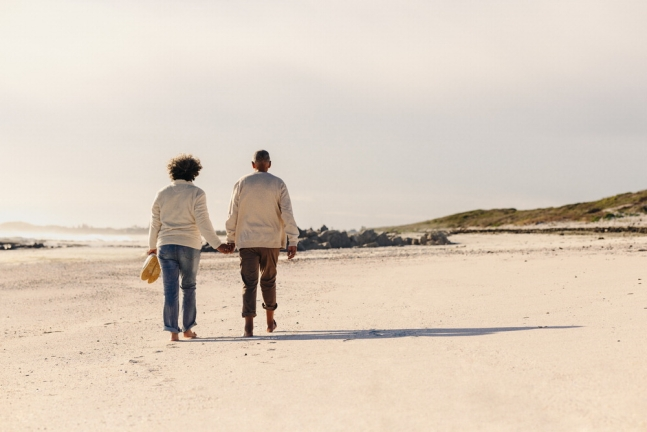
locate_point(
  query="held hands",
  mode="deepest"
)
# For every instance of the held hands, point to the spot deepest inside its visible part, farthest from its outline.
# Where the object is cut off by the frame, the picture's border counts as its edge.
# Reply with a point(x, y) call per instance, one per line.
point(226, 248)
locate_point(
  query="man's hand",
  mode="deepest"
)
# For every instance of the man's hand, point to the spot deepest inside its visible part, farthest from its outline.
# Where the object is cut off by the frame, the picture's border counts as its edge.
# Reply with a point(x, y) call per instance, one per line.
point(232, 246)
point(224, 248)
point(151, 251)
point(292, 251)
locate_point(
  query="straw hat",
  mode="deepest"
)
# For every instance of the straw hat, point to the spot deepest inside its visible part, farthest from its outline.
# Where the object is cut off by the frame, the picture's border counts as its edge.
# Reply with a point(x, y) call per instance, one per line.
point(151, 269)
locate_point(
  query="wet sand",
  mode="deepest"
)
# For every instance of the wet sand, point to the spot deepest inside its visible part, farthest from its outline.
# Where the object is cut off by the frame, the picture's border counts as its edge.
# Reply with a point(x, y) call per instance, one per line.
point(495, 333)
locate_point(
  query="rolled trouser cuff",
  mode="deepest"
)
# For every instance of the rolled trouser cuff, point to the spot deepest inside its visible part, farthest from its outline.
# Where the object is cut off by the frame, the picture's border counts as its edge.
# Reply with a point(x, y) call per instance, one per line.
point(190, 327)
point(271, 308)
point(249, 314)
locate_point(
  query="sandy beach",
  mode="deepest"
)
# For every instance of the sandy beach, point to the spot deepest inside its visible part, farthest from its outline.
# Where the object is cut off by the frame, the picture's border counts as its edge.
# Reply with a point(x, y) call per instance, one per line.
point(493, 333)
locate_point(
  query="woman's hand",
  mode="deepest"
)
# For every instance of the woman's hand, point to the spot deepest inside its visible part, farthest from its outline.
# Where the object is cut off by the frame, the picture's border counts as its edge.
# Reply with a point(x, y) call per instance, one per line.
point(151, 251)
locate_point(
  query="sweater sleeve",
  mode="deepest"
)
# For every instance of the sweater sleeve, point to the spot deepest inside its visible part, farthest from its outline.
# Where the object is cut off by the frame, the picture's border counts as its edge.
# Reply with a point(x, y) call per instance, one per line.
point(204, 222)
point(232, 220)
point(155, 225)
point(290, 224)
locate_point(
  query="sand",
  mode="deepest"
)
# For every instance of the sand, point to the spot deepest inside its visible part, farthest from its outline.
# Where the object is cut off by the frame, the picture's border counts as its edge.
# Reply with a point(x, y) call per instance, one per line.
point(495, 333)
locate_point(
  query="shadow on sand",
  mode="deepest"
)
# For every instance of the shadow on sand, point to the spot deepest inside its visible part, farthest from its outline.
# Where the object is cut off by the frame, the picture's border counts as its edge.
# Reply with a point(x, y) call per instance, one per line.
point(346, 335)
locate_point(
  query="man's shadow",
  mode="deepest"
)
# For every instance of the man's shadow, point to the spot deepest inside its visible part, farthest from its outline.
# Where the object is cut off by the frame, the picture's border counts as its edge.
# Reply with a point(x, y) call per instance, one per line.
point(346, 335)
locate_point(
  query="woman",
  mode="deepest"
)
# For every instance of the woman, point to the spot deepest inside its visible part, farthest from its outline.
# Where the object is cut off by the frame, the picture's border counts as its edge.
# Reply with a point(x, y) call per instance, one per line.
point(178, 218)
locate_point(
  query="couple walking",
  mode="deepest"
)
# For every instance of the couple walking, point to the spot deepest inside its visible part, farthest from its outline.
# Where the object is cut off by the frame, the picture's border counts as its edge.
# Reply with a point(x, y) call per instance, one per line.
point(260, 219)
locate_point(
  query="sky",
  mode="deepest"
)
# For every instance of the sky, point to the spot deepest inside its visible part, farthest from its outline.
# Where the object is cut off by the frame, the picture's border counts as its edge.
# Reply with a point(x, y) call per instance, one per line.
point(375, 112)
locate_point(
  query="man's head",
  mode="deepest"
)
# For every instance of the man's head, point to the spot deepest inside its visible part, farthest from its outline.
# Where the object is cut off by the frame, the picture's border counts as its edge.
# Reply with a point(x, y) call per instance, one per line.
point(261, 161)
point(184, 167)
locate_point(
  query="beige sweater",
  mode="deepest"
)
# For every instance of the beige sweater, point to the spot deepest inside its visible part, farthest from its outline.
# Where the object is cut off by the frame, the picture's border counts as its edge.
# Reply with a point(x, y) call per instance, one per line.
point(260, 213)
point(179, 216)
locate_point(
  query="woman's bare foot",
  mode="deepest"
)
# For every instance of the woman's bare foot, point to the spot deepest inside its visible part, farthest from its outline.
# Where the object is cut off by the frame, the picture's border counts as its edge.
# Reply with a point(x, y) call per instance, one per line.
point(175, 337)
point(189, 334)
point(271, 327)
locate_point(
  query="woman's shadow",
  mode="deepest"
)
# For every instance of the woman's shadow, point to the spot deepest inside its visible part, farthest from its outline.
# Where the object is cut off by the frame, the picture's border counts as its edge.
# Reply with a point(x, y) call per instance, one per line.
point(346, 335)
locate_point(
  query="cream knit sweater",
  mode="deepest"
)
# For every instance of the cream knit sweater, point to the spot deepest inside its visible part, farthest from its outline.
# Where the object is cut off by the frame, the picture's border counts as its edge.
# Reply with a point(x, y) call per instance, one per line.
point(179, 216)
point(260, 213)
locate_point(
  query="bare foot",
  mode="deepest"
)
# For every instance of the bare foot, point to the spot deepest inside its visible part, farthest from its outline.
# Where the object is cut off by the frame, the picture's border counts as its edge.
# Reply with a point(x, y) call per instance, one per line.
point(189, 334)
point(249, 327)
point(272, 327)
point(175, 337)
point(271, 324)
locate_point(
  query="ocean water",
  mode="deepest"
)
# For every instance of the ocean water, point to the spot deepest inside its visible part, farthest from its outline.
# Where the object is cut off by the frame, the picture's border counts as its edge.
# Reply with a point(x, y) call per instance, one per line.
point(54, 239)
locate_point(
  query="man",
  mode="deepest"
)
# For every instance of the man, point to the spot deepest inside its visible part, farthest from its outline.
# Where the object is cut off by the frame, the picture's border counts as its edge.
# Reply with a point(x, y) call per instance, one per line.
point(260, 217)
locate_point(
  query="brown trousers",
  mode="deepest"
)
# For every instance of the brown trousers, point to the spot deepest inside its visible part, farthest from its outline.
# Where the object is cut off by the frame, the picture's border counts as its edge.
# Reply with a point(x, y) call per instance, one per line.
point(251, 260)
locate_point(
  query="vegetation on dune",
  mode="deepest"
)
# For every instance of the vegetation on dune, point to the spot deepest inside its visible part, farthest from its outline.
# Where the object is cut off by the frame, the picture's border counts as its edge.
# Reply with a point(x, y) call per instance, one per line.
point(627, 204)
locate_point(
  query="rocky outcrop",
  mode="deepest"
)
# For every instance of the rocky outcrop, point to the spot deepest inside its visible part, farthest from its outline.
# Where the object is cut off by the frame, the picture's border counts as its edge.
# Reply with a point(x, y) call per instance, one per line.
point(325, 238)
point(18, 245)
point(437, 238)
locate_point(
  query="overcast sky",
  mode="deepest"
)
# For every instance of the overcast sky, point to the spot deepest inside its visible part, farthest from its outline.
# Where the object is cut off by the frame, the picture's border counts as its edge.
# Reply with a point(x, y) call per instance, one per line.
point(374, 112)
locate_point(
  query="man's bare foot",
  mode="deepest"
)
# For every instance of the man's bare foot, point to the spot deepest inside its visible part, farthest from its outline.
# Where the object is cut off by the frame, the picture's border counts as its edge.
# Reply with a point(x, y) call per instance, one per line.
point(271, 327)
point(175, 337)
point(271, 324)
point(189, 334)
point(249, 327)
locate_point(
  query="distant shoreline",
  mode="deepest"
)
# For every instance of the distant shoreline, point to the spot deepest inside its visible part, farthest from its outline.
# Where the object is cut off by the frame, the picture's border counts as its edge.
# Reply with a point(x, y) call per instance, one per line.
point(24, 227)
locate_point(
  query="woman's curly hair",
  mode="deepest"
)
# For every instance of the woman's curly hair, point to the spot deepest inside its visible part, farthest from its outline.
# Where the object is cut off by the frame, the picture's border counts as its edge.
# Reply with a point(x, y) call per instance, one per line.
point(184, 167)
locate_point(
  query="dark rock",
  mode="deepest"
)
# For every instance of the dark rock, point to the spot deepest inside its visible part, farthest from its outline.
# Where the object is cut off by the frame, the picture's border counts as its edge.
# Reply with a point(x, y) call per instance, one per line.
point(383, 240)
point(14, 246)
point(435, 238)
point(398, 241)
point(324, 236)
point(438, 238)
point(336, 239)
point(345, 240)
point(308, 244)
point(366, 236)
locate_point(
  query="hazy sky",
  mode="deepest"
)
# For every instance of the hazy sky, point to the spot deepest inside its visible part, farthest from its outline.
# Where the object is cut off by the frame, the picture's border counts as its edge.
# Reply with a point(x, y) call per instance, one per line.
point(374, 112)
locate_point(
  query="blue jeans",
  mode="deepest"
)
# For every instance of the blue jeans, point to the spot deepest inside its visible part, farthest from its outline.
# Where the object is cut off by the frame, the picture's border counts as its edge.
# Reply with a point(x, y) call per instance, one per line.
point(179, 270)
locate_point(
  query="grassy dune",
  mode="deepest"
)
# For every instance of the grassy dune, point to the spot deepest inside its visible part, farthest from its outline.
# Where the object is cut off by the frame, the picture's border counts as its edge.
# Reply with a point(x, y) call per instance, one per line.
point(627, 204)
